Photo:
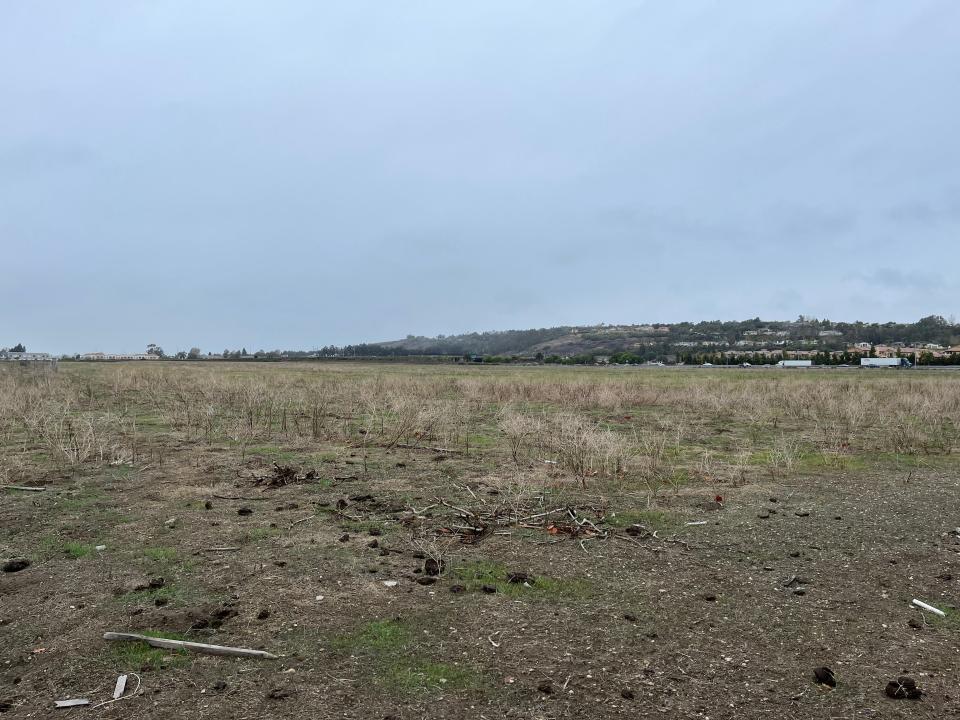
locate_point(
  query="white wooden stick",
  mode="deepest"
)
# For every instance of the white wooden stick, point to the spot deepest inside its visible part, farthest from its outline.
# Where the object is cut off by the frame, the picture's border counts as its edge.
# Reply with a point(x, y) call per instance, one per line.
point(121, 687)
point(930, 608)
point(184, 645)
point(24, 488)
point(71, 703)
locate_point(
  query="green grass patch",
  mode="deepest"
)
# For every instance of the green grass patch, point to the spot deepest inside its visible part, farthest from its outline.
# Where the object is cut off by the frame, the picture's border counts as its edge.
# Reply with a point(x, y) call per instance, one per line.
point(654, 520)
point(80, 500)
point(165, 555)
point(169, 593)
point(950, 622)
point(474, 576)
point(76, 550)
point(272, 452)
point(259, 534)
point(141, 656)
point(411, 676)
point(388, 647)
point(121, 472)
point(377, 636)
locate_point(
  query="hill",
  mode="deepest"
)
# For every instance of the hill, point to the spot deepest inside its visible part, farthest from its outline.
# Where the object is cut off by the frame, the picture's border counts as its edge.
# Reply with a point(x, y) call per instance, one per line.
point(657, 340)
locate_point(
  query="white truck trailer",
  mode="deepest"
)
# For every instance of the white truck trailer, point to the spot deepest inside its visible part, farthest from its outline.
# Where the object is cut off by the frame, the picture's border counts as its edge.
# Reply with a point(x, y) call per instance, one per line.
point(795, 363)
point(884, 362)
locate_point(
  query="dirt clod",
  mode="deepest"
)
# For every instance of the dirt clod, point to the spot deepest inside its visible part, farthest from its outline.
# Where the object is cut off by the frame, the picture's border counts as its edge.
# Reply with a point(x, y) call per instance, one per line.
point(903, 688)
point(489, 589)
point(519, 578)
point(245, 511)
point(263, 614)
point(825, 676)
point(16, 564)
point(546, 687)
point(627, 694)
point(433, 567)
point(344, 538)
point(457, 589)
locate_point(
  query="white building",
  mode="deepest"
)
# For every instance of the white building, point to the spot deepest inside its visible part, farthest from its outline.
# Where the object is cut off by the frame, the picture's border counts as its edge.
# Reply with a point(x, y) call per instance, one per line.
point(24, 356)
point(117, 356)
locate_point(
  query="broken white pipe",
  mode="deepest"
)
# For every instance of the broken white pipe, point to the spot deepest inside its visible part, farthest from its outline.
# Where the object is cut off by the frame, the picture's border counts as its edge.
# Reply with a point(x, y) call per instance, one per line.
point(167, 644)
point(929, 608)
point(120, 687)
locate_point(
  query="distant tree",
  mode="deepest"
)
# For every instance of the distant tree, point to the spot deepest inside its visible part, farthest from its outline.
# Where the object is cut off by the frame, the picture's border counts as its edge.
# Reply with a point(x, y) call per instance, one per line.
point(243, 352)
point(154, 349)
point(19, 347)
point(181, 355)
point(194, 353)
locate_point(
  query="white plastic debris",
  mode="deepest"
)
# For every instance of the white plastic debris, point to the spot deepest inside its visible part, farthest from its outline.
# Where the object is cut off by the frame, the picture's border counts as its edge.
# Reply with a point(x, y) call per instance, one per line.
point(929, 608)
point(391, 583)
point(100, 548)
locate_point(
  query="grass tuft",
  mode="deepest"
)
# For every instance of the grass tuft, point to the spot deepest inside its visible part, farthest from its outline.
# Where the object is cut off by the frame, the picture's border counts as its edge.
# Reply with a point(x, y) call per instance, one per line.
point(475, 576)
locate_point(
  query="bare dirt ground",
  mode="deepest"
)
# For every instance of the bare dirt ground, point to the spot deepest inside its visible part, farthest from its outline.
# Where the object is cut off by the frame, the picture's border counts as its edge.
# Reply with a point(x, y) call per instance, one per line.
point(403, 582)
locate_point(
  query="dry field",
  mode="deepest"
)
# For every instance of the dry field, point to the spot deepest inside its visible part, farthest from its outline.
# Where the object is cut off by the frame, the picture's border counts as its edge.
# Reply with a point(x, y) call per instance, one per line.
point(479, 542)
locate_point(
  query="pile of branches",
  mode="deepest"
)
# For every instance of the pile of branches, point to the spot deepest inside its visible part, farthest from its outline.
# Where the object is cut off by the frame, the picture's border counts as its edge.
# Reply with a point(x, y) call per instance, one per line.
point(285, 475)
point(473, 525)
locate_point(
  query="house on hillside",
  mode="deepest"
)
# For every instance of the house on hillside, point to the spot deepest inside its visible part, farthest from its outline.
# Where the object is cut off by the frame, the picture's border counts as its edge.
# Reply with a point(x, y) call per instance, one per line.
point(100, 356)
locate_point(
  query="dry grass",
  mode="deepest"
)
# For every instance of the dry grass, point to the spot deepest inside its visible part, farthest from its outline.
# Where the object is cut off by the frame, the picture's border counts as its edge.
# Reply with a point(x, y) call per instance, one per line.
point(638, 426)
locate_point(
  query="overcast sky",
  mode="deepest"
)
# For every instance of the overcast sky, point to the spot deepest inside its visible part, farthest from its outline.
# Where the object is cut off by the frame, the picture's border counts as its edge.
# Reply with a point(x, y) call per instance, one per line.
point(296, 173)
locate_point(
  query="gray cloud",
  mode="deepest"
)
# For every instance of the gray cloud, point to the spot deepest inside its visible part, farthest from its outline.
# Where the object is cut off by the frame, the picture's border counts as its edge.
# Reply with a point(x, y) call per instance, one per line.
point(223, 173)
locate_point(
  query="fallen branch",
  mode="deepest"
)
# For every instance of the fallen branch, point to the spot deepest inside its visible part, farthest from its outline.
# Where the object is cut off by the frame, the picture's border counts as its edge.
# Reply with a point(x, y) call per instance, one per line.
point(24, 488)
point(303, 519)
point(222, 549)
point(239, 497)
point(540, 515)
point(424, 447)
point(465, 513)
point(185, 645)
